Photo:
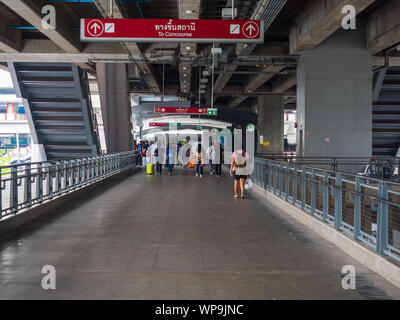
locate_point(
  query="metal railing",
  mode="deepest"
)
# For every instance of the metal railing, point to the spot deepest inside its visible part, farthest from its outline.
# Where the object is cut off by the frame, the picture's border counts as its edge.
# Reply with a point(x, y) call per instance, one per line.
point(375, 167)
point(25, 185)
point(367, 209)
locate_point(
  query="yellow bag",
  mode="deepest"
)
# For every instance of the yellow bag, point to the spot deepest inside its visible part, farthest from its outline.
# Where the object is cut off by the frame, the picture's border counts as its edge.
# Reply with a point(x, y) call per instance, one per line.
point(150, 168)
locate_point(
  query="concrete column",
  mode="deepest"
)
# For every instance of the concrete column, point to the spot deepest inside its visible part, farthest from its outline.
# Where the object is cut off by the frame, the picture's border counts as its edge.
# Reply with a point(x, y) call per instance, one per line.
point(270, 124)
point(334, 97)
point(113, 84)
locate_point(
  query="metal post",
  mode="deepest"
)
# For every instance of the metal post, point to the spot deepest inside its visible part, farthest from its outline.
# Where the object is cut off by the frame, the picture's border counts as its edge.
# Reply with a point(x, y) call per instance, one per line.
point(382, 227)
point(111, 8)
point(303, 188)
point(14, 180)
point(212, 79)
point(269, 177)
point(326, 196)
point(264, 175)
point(287, 189)
point(73, 174)
point(357, 208)
point(338, 201)
point(66, 175)
point(313, 192)
point(50, 166)
point(280, 179)
point(28, 185)
point(294, 199)
point(233, 9)
point(80, 163)
point(40, 182)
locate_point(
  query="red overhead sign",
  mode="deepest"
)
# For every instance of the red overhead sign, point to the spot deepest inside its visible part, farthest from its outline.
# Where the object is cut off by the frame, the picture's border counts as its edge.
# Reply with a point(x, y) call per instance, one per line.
point(180, 110)
point(175, 30)
point(158, 124)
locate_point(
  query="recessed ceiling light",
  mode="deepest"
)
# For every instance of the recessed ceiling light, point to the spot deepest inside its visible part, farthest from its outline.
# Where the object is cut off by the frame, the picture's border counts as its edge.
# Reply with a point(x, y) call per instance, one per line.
point(188, 48)
point(185, 75)
point(189, 11)
point(184, 68)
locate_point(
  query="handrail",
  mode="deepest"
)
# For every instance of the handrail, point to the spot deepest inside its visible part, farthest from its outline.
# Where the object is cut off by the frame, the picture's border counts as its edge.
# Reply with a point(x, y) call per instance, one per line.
point(24, 185)
point(366, 208)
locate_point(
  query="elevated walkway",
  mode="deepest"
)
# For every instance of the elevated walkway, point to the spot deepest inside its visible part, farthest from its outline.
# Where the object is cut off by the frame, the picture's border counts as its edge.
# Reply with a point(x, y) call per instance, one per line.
point(177, 237)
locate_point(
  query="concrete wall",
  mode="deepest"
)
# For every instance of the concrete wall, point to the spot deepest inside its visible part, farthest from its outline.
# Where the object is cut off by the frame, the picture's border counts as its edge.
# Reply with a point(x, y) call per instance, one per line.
point(334, 97)
point(270, 123)
point(116, 112)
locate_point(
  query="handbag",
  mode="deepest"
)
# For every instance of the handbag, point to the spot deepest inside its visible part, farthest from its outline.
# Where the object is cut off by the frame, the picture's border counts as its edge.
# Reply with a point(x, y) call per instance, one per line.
point(249, 184)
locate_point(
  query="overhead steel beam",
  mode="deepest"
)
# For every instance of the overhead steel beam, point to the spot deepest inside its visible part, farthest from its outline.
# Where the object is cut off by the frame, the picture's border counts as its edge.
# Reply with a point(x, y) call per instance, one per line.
point(318, 21)
point(383, 28)
point(284, 84)
point(117, 11)
point(10, 40)
point(63, 35)
point(188, 9)
point(266, 10)
point(254, 83)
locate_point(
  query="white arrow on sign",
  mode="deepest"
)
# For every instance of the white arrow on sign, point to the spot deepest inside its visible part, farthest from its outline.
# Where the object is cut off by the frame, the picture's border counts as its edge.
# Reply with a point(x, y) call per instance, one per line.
point(95, 28)
point(250, 30)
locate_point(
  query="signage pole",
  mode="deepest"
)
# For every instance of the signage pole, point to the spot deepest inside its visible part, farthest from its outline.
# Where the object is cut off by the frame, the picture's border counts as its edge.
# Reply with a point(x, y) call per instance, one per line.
point(233, 9)
point(199, 83)
point(212, 80)
point(163, 81)
point(111, 8)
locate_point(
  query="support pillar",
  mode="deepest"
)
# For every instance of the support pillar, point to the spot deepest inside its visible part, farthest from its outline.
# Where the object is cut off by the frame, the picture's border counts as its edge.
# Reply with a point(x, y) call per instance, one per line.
point(116, 111)
point(270, 124)
point(334, 97)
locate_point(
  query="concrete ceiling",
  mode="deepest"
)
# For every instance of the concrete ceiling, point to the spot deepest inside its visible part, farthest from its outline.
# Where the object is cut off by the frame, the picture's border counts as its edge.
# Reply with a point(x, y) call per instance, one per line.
point(269, 68)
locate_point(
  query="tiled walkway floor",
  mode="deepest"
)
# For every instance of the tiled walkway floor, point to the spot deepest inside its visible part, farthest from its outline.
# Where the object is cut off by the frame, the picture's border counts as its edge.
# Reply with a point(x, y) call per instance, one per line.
point(177, 237)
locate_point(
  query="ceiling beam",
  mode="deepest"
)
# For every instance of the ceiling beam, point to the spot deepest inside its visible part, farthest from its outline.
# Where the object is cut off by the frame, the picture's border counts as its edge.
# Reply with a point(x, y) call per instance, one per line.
point(63, 35)
point(383, 28)
point(188, 9)
point(223, 79)
point(255, 82)
point(132, 48)
point(10, 39)
point(117, 10)
point(318, 21)
point(284, 84)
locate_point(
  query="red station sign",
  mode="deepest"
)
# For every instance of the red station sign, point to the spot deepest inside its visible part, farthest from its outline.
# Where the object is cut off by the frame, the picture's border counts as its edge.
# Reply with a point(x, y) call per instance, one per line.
point(158, 124)
point(180, 110)
point(174, 30)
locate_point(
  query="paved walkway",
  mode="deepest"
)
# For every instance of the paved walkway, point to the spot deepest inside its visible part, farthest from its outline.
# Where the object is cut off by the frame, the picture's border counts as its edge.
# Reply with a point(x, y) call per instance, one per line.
point(177, 237)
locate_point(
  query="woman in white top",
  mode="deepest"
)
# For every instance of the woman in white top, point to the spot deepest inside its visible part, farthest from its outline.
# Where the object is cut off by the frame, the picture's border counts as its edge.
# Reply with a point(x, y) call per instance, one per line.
point(239, 171)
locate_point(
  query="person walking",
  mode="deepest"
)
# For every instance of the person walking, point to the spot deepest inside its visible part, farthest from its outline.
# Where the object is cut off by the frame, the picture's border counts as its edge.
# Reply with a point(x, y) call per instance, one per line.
point(158, 164)
point(211, 157)
point(239, 171)
point(170, 161)
point(218, 164)
point(199, 162)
